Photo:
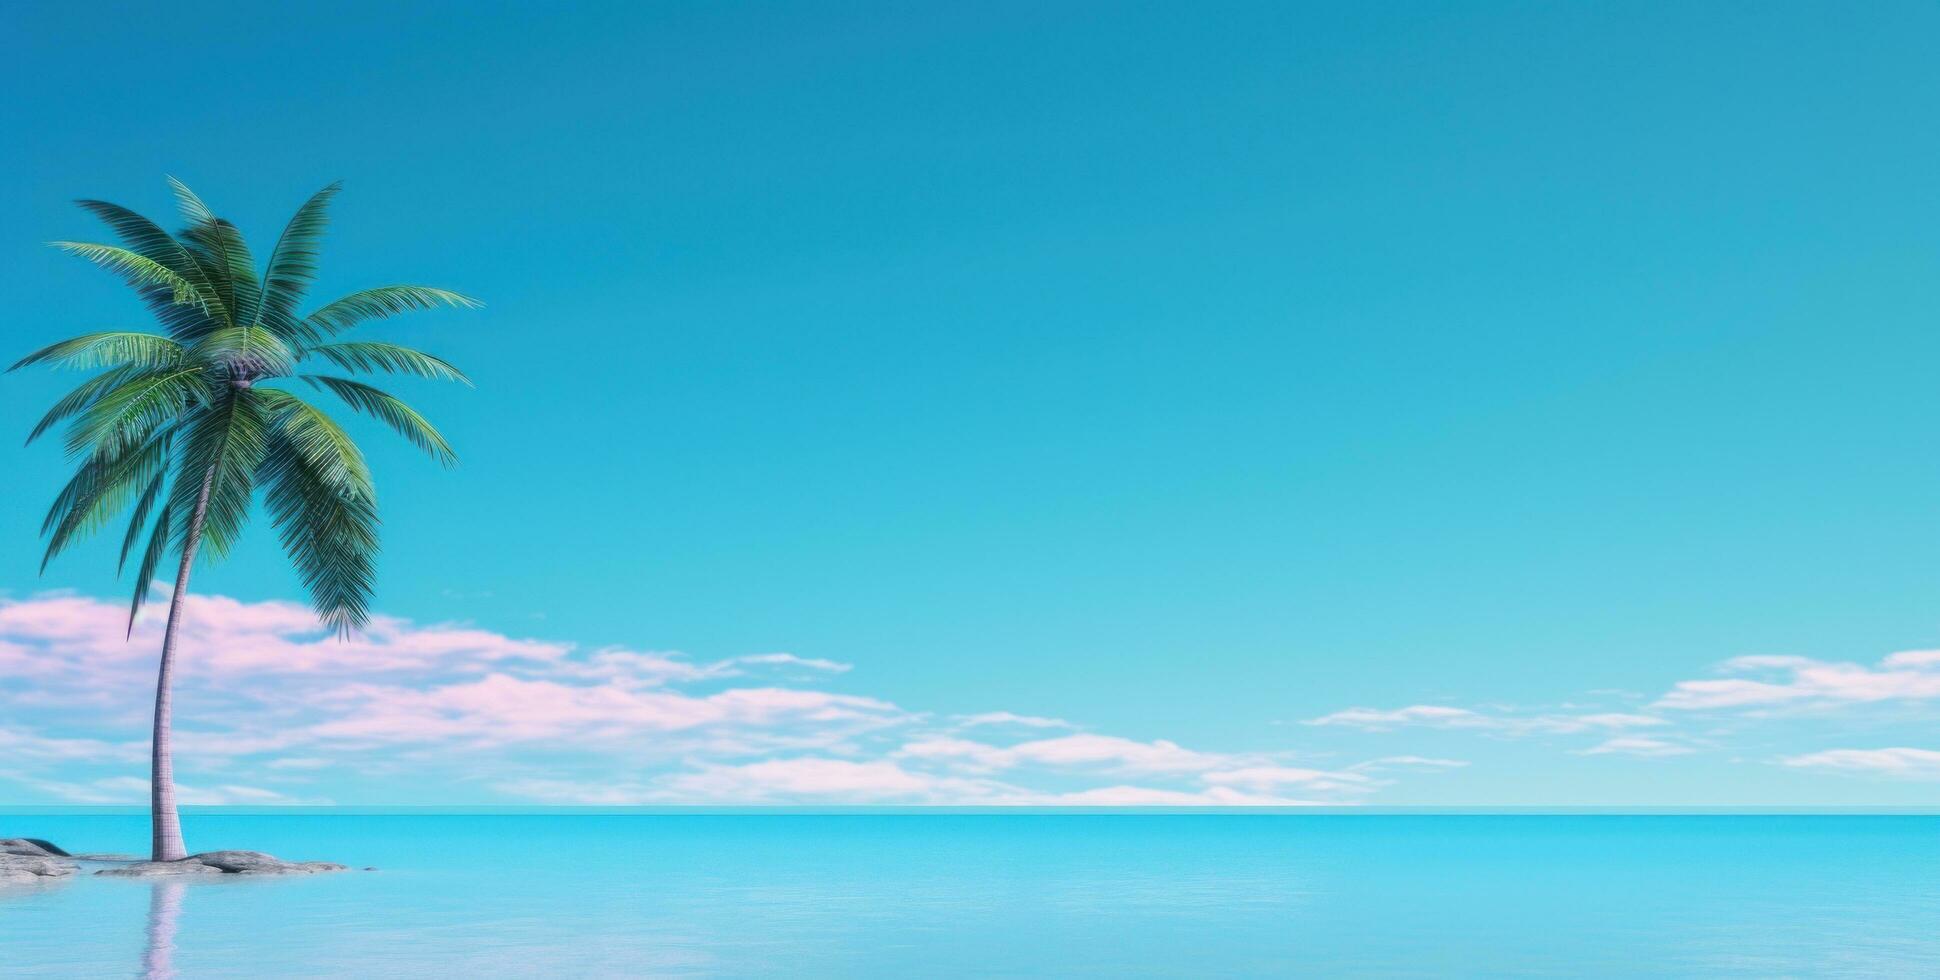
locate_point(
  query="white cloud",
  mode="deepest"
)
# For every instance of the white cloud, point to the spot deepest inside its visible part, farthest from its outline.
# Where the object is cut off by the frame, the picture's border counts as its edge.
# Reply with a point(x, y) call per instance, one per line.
point(298, 762)
point(1376, 719)
point(1408, 762)
point(813, 778)
point(128, 790)
point(1443, 716)
point(1912, 675)
point(1266, 778)
point(1902, 763)
point(1634, 745)
point(1130, 796)
point(789, 659)
point(261, 688)
point(1118, 754)
point(18, 745)
point(1008, 718)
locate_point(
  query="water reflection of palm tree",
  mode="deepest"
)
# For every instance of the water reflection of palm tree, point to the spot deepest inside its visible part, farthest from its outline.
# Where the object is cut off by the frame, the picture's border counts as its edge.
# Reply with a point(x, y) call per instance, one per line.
point(164, 908)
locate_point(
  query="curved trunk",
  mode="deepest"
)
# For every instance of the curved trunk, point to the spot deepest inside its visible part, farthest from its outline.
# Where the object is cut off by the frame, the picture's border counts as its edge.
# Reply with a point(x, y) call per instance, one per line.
point(164, 823)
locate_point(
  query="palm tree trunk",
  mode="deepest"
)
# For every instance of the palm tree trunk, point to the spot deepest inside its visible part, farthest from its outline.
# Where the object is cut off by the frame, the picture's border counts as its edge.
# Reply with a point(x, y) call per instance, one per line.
point(165, 824)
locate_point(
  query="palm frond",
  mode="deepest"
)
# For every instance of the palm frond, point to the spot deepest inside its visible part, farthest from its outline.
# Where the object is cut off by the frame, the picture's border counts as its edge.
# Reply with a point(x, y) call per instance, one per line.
point(158, 539)
point(372, 356)
point(251, 351)
point(194, 212)
point(223, 256)
point(83, 395)
point(293, 265)
point(147, 239)
point(128, 413)
point(138, 270)
point(387, 408)
point(223, 253)
point(321, 500)
point(320, 439)
point(224, 444)
point(109, 348)
point(381, 302)
point(138, 518)
point(100, 488)
point(141, 235)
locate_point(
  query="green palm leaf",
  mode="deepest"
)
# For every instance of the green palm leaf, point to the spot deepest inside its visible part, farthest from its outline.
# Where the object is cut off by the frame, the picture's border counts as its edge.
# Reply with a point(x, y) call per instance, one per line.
point(244, 353)
point(100, 488)
point(223, 256)
point(112, 348)
point(370, 356)
point(138, 270)
point(131, 411)
point(390, 410)
point(84, 394)
point(158, 539)
point(321, 500)
point(293, 266)
point(224, 445)
point(319, 439)
point(147, 239)
point(381, 302)
point(138, 518)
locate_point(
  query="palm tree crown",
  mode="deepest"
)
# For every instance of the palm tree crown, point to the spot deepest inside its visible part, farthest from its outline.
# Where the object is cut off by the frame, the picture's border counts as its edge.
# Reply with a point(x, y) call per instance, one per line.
point(185, 425)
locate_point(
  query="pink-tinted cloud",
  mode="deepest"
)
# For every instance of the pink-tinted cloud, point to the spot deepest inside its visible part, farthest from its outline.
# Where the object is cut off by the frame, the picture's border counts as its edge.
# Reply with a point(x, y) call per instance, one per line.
point(1011, 718)
point(1899, 763)
point(1408, 762)
point(1636, 745)
point(1130, 796)
point(1908, 676)
point(130, 790)
point(1118, 754)
point(261, 688)
point(17, 745)
point(1443, 716)
point(1268, 778)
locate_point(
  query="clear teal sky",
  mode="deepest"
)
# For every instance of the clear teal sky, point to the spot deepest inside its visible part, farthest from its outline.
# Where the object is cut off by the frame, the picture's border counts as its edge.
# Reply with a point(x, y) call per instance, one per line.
point(1183, 371)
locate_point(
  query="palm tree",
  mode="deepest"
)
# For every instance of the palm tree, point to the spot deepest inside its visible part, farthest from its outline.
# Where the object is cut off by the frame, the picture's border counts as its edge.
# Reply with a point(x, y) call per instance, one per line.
point(184, 425)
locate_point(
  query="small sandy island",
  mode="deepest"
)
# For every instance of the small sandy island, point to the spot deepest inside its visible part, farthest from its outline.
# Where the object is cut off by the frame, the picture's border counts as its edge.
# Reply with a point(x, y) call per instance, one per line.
point(25, 859)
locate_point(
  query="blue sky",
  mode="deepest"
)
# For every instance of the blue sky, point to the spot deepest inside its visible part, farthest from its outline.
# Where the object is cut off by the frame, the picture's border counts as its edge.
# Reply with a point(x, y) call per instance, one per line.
point(1184, 375)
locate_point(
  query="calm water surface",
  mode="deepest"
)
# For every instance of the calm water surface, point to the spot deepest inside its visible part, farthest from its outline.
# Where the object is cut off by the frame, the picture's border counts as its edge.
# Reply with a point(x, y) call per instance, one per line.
point(1021, 894)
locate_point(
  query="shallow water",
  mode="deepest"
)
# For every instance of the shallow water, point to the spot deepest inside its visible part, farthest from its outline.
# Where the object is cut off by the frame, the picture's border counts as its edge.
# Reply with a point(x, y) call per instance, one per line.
point(1014, 894)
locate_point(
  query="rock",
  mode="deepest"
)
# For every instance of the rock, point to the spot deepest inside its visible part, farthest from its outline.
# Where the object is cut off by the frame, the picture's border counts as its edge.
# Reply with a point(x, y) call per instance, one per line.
point(258, 863)
point(29, 847)
point(222, 862)
point(106, 858)
point(28, 867)
point(159, 869)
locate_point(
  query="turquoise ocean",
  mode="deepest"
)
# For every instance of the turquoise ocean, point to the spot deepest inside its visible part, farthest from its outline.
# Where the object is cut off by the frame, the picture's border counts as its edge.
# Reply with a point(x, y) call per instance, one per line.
point(1010, 894)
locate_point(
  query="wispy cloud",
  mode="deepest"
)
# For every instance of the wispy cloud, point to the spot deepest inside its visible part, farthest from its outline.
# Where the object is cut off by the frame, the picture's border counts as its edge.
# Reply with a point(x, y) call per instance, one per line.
point(262, 688)
point(790, 660)
point(1117, 754)
point(126, 790)
point(1900, 763)
point(1637, 745)
point(1767, 681)
point(1010, 718)
point(1408, 762)
point(1266, 778)
point(1443, 716)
